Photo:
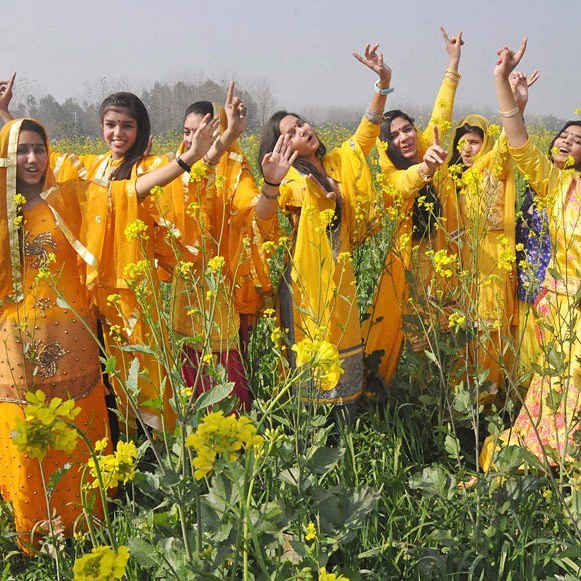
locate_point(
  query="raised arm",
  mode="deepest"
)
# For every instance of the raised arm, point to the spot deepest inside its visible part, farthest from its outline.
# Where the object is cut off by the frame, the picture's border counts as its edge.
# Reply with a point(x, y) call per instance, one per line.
point(275, 166)
point(235, 126)
point(519, 84)
point(510, 114)
point(201, 142)
point(5, 98)
point(444, 104)
point(367, 133)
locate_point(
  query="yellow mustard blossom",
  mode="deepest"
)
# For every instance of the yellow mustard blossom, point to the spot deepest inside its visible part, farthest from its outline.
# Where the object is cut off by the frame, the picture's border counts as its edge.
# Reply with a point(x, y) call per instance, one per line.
point(45, 426)
point(456, 321)
point(184, 268)
point(220, 436)
point(493, 130)
point(155, 192)
point(102, 564)
point(116, 467)
point(137, 230)
point(324, 576)
point(276, 335)
point(343, 257)
point(220, 181)
point(323, 359)
point(115, 332)
point(113, 299)
point(311, 532)
point(506, 258)
point(135, 270)
point(443, 262)
point(18, 221)
point(216, 264)
point(325, 217)
point(207, 358)
point(268, 246)
point(193, 209)
point(198, 173)
point(19, 200)
point(269, 313)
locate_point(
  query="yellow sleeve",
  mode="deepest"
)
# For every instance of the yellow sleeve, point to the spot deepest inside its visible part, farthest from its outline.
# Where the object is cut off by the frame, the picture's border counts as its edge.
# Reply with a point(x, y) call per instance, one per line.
point(535, 166)
point(366, 135)
point(441, 113)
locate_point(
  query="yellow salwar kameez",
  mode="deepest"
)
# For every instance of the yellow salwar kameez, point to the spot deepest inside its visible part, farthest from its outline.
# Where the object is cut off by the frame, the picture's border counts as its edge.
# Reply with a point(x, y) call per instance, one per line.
point(550, 416)
point(383, 331)
point(317, 297)
point(487, 200)
point(47, 333)
point(129, 321)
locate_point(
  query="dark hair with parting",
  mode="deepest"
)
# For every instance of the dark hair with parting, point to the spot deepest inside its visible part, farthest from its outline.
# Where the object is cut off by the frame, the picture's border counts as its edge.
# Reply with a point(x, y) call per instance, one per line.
point(32, 125)
point(136, 109)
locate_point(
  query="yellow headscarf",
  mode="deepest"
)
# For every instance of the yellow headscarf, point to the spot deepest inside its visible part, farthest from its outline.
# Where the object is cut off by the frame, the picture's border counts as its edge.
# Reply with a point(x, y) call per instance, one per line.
point(482, 124)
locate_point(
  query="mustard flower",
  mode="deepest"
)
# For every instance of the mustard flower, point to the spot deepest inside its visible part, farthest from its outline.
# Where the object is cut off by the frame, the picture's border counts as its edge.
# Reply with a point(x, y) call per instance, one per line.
point(116, 467)
point(311, 532)
point(45, 426)
point(198, 173)
point(323, 359)
point(216, 264)
point(137, 230)
point(324, 576)
point(220, 436)
point(101, 564)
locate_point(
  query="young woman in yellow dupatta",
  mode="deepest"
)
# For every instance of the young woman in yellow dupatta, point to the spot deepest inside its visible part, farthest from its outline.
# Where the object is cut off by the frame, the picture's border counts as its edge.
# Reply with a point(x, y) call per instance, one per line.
point(51, 236)
point(423, 203)
point(218, 220)
point(486, 191)
point(331, 202)
point(549, 421)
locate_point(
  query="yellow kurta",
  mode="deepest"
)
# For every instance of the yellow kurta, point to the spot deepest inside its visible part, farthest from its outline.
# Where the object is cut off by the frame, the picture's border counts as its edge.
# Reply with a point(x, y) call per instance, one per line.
point(550, 414)
point(131, 321)
point(488, 199)
point(318, 298)
point(382, 330)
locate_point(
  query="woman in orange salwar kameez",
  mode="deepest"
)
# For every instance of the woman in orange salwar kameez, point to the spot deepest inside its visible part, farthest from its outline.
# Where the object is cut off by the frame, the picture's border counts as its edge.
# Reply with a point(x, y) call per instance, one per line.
point(51, 235)
point(218, 214)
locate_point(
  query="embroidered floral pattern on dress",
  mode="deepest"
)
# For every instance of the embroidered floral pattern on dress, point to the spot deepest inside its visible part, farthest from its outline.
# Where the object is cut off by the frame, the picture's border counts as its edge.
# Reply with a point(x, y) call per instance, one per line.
point(45, 357)
point(38, 249)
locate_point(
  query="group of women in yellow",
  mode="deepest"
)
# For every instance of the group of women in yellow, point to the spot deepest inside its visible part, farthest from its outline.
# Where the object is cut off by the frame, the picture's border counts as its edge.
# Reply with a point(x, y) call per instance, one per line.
point(86, 239)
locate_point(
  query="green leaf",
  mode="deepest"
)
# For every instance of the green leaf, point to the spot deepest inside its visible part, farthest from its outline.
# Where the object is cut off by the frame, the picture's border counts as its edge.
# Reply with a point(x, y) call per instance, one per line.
point(324, 459)
point(143, 552)
point(214, 395)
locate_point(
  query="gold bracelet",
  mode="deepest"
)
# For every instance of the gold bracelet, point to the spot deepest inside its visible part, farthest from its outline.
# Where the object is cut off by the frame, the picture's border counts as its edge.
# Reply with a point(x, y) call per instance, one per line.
point(209, 162)
point(511, 113)
point(452, 76)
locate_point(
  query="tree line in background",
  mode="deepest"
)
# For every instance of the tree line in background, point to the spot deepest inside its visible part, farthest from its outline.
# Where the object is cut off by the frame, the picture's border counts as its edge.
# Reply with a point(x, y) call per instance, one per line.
point(166, 103)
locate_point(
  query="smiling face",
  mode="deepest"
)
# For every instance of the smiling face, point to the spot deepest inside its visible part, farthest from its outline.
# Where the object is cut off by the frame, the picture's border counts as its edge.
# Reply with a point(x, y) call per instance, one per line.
point(567, 143)
point(119, 131)
point(404, 137)
point(31, 163)
point(303, 137)
point(469, 146)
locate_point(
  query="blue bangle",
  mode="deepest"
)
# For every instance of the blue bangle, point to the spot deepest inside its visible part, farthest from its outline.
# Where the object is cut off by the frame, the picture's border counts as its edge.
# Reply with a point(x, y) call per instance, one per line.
point(382, 91)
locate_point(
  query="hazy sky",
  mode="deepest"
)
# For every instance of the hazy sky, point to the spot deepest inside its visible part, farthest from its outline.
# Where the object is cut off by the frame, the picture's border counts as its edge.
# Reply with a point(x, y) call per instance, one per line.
point(301, 49)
